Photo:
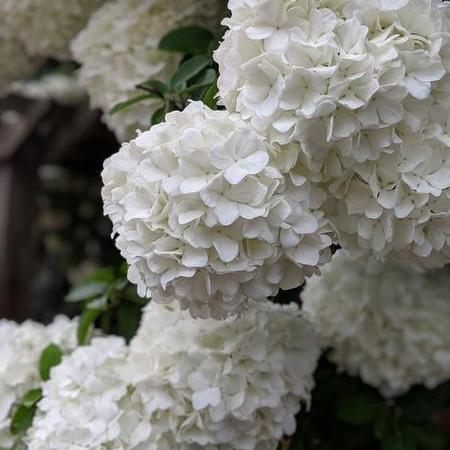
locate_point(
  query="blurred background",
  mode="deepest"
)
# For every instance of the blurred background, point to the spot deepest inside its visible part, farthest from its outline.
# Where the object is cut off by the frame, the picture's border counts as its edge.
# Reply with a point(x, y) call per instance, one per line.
point(52, 228)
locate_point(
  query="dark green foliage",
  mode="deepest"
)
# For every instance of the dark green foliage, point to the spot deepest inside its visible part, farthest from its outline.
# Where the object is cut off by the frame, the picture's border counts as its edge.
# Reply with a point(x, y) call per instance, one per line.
point(108, 300)
point(131, 102)
point(188, 70)
point(346, 414)
point(210, 96)
point(195, 78)
point(190, 40)
point(158, 116)
point(23, 415)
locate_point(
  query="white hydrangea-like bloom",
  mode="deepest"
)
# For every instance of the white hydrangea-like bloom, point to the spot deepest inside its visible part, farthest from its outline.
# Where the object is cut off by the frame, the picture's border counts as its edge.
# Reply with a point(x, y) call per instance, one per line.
point(364, 87)
point(119, 49)
point(204, 213)
point(86, 405)
point(21, 346)
point(222, 385)
point(383, 322)
point(33, 30)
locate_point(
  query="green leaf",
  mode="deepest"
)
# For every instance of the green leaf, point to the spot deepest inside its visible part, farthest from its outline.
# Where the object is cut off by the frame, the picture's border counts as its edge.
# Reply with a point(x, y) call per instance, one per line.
point(130, 102)
point(191, 40)
point(158, 116)
point(99, 303)
point(86, 291)
point(130, 295)
point(360, 408)
point(157, 86)
point(105, 275)
point(87, 318)
point(209, 97)
point(123, 268)
point(19, 445)
point(208, 78)
point(50, 357)
point(32, 397)
point(22, 419)
point(188, 70)
point(128, 320)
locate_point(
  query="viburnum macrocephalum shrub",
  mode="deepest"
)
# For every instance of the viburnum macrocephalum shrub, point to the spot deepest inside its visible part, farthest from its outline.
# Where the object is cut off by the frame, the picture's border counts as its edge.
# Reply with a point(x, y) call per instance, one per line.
point(21, 346)
point(383, 322)
point(33, 30)
point(123, 36)
point(205, 211)
point(183, 384)
point(363, 88)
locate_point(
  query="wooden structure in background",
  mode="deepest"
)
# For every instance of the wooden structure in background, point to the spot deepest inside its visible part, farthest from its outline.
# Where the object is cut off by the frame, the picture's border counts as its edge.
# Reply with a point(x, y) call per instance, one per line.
point(31, 133)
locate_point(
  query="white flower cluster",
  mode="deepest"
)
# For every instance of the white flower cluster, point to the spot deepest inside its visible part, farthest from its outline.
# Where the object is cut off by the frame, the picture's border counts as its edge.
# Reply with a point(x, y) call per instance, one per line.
point(228, 385)
point(20, 350)
point(204, 213)
point(185, 384)
point(59, 88)
point(85, 404)
point(363, 87)
point(119, 49)
point(33, 30)
point(383, 322)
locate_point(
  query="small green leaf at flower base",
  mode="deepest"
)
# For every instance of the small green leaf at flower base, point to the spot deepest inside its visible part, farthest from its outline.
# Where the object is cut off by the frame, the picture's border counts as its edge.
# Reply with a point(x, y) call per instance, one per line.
point(210, 96)
point(192, 40)
point(189, 69)
point(158, 116)
point(50, 357)
point(32, 397)
point(131, 102)
point(19, 445)
point(86, 291)
point(87, 319)
point(24, 413)
point(22, 419)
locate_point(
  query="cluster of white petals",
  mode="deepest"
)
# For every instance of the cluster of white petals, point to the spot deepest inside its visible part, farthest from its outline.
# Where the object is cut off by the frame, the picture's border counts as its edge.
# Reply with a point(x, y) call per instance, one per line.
point(204, 213)
point(230, 385)
point(183, 384)
point(363, 87)
point(34, 30)
point(86, 405)
point(383, 322)
point(119, 49)
point(21, 346)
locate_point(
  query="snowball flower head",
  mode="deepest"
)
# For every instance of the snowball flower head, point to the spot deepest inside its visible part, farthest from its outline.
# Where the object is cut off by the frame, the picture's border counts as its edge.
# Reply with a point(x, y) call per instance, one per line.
point(85, 403)
point(119, 49)
point(203, 213)
point(33, 30)
point(20, 350)
point(364, 88)
point(383, 322)
point(222, 385)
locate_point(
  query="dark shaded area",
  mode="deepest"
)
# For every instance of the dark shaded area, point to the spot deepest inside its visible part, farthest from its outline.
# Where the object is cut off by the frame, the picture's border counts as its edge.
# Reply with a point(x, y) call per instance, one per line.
point(347, 414)
point(52, 229)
